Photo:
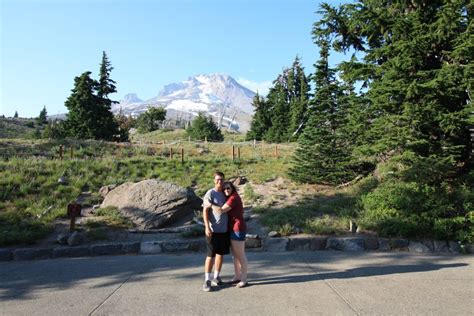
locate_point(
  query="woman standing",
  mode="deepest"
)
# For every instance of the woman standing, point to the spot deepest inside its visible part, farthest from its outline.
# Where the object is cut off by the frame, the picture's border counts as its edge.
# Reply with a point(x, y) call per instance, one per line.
point(238, 230)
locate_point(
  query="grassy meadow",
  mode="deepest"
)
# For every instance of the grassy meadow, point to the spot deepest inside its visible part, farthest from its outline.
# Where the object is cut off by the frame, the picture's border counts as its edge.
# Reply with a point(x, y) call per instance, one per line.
point(31, 196)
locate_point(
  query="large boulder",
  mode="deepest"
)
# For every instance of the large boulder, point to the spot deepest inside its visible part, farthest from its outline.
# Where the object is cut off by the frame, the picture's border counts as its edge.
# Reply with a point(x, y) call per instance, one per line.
point(152, 203)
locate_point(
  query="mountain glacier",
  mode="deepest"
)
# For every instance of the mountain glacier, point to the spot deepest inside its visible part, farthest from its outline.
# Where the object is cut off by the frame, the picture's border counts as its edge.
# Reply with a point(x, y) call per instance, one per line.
point(218, 95)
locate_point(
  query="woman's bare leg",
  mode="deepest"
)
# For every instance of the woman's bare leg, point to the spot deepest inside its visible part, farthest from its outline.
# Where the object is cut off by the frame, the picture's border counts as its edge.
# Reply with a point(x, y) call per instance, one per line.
point(238, 249)
point(237, 272)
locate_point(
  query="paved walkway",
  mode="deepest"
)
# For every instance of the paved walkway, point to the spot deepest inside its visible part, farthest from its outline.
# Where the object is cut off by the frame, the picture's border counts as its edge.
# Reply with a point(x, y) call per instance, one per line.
point(282, 283)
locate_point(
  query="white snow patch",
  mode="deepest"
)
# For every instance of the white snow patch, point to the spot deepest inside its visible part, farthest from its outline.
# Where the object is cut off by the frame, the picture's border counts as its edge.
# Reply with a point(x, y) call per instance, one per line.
point(187, 106)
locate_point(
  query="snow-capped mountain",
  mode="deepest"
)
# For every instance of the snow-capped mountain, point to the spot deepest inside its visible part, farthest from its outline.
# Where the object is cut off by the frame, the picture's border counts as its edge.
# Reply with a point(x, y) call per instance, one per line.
point(216, 94)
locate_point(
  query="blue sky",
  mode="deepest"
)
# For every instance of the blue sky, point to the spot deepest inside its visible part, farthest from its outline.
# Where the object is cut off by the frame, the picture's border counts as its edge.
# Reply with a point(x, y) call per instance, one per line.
point(46, 43)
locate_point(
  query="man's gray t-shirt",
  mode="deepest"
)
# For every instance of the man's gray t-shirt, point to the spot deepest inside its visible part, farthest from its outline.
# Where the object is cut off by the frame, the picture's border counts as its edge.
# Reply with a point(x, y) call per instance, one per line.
point(217, 220)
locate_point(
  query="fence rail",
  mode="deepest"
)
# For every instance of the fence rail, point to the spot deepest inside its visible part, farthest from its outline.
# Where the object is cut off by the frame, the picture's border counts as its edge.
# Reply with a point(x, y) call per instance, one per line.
point(181, 149)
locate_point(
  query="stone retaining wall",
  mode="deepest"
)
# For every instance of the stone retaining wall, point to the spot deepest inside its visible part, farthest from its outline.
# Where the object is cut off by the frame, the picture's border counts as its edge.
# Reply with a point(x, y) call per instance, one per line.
point(293, 243)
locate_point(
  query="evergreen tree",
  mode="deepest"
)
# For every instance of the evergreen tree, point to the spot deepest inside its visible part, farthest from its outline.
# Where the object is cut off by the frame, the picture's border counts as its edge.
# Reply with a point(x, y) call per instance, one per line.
point(323, 153)
point(298, 98)
point(89, 106)
point(43, 117)
point(281, 116)
point(261, 119)
point(278, 103)
point(418, 69)
point(151, 119)
point(204, 127)
point(16, 114)
point(105, 87)
point(81, 119)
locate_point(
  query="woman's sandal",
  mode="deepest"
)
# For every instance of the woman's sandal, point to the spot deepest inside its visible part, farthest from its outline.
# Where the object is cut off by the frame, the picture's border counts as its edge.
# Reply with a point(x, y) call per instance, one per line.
point(242, 284)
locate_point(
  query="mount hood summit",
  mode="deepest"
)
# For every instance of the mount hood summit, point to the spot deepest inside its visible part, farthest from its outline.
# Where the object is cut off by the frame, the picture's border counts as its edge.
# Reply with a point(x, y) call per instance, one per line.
point(218, 95)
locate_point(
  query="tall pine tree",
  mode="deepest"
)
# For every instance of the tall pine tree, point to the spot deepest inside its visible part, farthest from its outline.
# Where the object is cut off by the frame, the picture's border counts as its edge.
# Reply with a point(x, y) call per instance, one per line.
point(260, 120)
point(298, 98)
point(81, 119)
point(322, 155)
point(278, 102)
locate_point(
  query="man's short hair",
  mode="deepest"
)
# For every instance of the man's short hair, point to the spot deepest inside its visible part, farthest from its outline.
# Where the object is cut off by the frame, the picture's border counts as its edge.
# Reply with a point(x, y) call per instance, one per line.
point(219, 173)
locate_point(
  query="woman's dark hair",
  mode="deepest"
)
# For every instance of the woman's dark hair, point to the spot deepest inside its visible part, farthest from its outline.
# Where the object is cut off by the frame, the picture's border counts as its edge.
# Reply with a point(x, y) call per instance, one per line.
point(234, 189)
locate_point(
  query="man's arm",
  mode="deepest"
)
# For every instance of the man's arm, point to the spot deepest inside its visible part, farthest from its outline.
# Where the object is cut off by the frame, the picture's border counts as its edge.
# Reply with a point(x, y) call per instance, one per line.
point(205, 217)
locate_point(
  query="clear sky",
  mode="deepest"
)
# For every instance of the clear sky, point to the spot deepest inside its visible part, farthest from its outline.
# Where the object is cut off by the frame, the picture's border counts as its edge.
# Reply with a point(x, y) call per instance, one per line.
point(46, 43)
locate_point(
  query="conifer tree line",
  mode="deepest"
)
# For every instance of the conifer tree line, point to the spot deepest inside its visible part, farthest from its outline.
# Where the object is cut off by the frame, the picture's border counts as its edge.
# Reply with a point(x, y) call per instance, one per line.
point(399, 108)
point(281, 115)
point(405, 88)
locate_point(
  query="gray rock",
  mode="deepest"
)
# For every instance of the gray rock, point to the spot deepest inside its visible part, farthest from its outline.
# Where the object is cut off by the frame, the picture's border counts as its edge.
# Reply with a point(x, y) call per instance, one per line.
point(71, 252)
point(150, 247)
point(106, 249)
point(416, 246)
point(335, 243)
point(152, 203)
point(178, 246)
point(318, 243)
point(384, 244)
point(454, 247)
point(469, 248)
point(429, 244)
point(238, 181)
point(353, 244)
point(62, 238)
point(253, 243)
point(440, 246)
point(298, 243)
point(371, 243)
point(106, 189)
point(6, 255)
point(275, 244)
point(273, 234)
point(399, 244)
point(30, 254)
point(75, 239)
point(130, 247)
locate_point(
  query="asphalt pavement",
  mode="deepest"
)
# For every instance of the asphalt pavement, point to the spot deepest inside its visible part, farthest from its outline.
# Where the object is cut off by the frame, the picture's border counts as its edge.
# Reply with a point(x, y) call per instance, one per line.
point(281, 283)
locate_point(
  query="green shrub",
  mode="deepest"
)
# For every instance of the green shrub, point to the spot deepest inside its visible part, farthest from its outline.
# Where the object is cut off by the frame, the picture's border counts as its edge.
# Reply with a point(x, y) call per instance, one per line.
point(417, 210)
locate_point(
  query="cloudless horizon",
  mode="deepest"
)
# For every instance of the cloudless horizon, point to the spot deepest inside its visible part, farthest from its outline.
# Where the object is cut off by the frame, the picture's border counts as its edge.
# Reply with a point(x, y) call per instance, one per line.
point(46, 44)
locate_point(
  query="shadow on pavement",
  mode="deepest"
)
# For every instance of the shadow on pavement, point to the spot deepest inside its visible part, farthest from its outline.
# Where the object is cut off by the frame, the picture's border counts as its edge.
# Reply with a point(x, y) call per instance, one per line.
point(355, 273)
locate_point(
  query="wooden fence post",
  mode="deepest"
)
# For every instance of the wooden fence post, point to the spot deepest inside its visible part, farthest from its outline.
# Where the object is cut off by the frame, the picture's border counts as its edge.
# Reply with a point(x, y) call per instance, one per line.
point(254, 143)
point(171, 152)
point(182, 155)
point(276, 151)
point(72, 152)
point(238, 152)
point(233, 152)
point(60, 152)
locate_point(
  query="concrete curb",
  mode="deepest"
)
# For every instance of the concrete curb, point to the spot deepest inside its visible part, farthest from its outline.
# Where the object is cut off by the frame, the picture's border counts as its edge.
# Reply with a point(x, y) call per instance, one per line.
point(292, 243)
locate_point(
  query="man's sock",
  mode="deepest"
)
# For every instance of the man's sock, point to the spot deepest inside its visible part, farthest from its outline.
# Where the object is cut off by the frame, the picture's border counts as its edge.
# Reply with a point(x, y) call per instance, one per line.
point(216, 274)
point(207, 276)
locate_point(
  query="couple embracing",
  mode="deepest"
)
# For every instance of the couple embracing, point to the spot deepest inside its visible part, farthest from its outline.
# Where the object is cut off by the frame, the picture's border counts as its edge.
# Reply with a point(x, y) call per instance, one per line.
point(223, 215)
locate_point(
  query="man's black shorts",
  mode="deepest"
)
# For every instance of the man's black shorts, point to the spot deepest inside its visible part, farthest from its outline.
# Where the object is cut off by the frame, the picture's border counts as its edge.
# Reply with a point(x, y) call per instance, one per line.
point(218, 243)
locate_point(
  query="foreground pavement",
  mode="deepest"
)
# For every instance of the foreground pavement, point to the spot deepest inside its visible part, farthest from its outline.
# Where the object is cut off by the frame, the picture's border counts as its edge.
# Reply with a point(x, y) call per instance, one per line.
point(281, 283)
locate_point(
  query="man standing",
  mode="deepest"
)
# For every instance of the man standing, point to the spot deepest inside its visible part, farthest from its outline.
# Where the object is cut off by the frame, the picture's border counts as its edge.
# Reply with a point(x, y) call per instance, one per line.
point(217, 237)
